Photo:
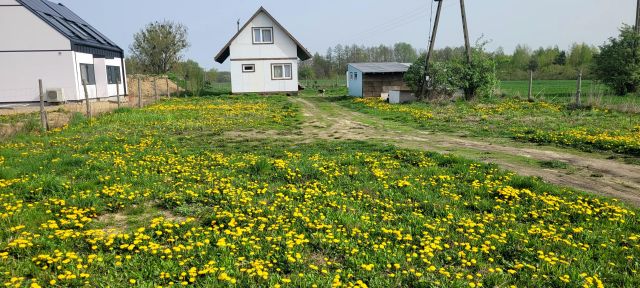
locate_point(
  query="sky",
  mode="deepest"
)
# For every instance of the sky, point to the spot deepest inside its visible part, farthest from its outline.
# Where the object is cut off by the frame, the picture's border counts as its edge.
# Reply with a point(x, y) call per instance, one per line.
point(319, 25)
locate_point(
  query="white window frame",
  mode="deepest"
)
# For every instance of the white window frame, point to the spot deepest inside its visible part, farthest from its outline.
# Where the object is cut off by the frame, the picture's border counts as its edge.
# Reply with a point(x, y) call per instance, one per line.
point(260, 33)
point(284, 71)
point(253, 68)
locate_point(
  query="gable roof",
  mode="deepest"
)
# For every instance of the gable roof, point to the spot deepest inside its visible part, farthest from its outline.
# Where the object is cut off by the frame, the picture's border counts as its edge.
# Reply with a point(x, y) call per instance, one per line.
point(83, 37)
point(381, 67)
point(222, 56)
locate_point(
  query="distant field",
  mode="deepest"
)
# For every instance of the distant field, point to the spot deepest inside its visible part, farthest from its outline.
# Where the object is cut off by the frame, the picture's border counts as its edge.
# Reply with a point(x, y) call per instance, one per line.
point(563, 91)
point(552, 88)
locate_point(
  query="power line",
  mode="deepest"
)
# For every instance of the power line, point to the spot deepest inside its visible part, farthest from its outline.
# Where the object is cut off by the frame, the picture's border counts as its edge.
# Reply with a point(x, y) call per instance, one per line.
point(392, 27)
point(400, 19)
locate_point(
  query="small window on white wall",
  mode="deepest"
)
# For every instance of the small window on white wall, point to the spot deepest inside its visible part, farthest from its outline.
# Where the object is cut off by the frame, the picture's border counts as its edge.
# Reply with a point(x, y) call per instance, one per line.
point(248, 68)
point(281, 72)
point(263, 35)
point(87, 74)
point(355, 75)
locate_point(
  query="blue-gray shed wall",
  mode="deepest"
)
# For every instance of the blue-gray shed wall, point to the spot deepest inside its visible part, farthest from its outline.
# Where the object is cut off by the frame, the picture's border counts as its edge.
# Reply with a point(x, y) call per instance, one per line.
point(355, 86)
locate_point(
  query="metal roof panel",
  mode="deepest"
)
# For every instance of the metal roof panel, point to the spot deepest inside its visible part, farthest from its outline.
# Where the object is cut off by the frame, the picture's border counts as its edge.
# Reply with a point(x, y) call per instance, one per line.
point(69, 24)
point(381, 67)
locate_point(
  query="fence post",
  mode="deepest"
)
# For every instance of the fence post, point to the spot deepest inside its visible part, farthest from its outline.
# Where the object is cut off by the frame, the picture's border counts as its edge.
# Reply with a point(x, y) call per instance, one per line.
point(579, 92)
point(43, 113)
point(118, 92)
point(530, 97)
point(139, 93)
point(86, 98)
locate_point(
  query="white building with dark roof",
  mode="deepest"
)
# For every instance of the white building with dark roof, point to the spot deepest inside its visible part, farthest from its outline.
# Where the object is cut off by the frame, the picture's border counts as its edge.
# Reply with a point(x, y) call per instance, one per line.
point(264, 57)
point(43, 40)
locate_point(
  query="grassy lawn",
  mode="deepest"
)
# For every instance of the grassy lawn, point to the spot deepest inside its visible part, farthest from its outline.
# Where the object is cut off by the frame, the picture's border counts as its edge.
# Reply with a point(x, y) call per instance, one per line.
point(162, 197)
point(540, 122)
point(564, 91)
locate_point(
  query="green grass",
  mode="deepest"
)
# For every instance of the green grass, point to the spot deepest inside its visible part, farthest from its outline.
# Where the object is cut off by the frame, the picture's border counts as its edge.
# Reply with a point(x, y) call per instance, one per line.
point(564, 91)
point(541, 122)
point(173, 194)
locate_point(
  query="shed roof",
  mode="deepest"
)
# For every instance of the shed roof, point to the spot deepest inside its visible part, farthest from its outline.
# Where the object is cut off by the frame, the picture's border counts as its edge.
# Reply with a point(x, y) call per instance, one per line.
point(382, 67)
point(70, 25)
point(224, 53)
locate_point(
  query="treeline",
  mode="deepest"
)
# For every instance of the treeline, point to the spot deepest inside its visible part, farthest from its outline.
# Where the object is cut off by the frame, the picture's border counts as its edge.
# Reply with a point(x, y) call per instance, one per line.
point(334, 62)
point(549, 63)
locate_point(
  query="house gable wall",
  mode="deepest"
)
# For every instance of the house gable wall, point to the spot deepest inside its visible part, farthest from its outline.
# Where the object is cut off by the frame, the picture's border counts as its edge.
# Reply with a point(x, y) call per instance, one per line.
point(21, 30)
point(243, 47)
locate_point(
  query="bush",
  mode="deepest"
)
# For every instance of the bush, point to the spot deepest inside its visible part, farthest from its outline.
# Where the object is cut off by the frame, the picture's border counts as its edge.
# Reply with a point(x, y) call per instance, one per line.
point(618, 64)
point(479, 79)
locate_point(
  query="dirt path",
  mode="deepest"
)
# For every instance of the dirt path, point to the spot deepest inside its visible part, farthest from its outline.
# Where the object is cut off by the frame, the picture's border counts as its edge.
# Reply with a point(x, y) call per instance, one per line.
point(327, 120)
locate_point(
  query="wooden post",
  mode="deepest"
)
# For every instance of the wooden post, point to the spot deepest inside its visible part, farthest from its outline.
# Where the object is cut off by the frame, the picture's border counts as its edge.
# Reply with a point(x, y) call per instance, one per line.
point(638, 17)
point(530, 85)
point(579, 92)
point(43, 112)
point(168, 91)
point(86, 99)
point(118, 92)
point(139, 92)
point(432, 43)
point(467, 45)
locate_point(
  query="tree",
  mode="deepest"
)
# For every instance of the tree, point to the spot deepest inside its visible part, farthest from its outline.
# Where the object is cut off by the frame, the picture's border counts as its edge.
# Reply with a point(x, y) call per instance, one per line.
point(193, 75)
point(404, 53)
point(133, 66)
point(581, 56)
point(618, 64)
point(305, 72)
point(477, 79)
point(521, 57)
point(211, 75)
point(561, 59)
point(440, 78)
point(159, 45)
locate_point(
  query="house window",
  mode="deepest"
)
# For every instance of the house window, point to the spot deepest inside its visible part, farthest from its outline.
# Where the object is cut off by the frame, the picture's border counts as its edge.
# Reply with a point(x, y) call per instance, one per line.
point(87, 74)
point(355, 75)
point(113, 74)
point(281, 72)
point(248, 68)
point(350, 75)
point(263, 35)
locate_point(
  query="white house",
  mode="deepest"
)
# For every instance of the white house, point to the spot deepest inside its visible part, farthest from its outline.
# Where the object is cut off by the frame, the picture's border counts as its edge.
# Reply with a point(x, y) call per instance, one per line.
point(264, 57)
point(44, 40)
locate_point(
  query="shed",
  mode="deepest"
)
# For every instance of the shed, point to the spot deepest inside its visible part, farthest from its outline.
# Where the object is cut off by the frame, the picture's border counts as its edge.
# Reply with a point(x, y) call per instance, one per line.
point(376, 79)
point(45, 40)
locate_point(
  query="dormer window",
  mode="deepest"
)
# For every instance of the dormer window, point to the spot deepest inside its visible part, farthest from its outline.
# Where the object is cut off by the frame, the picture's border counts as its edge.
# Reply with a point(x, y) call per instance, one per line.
point(263, 35)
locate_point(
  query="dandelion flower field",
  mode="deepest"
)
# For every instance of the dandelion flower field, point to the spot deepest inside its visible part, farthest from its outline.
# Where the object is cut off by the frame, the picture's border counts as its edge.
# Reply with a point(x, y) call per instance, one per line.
point(591, 129)
point(163, 196)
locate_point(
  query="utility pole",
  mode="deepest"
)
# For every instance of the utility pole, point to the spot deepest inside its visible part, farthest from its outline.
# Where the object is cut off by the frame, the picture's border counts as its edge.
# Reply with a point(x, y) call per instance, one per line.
point(638, 17)
point(432, 43)
point(466, 31)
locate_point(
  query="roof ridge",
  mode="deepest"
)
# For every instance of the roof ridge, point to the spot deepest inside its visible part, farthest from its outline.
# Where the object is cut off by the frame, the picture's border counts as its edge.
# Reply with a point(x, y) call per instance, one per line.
point(224, 53)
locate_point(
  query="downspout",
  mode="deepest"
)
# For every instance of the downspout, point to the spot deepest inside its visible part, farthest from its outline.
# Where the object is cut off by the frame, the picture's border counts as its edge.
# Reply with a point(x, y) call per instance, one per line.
point(124, 75)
